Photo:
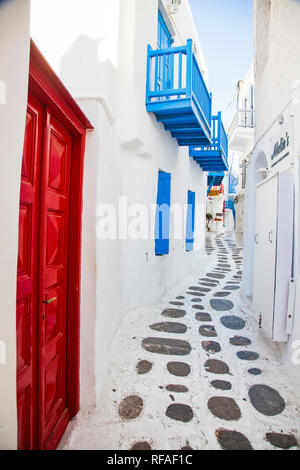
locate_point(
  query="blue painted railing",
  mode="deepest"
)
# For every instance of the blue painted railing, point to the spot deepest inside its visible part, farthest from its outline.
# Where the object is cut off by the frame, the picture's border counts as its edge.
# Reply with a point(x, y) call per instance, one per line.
point(213, 157)
point(232, 184)
point(174, 75)
point(219, 138)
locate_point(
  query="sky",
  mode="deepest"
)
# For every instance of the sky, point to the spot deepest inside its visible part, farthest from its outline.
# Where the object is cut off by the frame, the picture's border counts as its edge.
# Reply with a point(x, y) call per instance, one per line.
point(225, 29)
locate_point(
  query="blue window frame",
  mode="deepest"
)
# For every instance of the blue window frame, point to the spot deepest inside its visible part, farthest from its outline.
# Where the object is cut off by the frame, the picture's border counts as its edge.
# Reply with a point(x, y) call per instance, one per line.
point(162, 220)
point(190, 221)
point(164, 41)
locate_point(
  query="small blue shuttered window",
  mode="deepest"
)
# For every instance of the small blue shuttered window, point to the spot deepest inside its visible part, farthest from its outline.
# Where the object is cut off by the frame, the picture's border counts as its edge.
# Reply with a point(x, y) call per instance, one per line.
point(190, 221)
point(162, 221)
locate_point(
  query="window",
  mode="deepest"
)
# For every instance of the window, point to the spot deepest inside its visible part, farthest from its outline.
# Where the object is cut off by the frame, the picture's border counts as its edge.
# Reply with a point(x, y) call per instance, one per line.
point(164, 38)
point(164, 41)
point(190, 221)
point(162, 221)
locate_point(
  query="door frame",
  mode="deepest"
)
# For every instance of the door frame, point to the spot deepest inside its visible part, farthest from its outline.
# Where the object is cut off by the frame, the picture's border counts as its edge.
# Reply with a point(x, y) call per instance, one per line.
point(45, 85)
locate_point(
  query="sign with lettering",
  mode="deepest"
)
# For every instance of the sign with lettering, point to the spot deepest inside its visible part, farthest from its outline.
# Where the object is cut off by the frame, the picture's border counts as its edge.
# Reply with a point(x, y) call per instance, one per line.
point(281, 146)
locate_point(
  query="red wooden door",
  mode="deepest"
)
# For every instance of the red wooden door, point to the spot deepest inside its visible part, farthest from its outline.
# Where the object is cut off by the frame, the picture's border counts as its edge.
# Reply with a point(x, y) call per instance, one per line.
point(54, 414)
point(42, 286)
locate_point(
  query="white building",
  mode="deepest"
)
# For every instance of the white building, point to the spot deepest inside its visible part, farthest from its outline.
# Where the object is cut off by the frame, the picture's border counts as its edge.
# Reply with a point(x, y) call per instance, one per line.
point(100, 51)
point(271, 236)
point(241, 140)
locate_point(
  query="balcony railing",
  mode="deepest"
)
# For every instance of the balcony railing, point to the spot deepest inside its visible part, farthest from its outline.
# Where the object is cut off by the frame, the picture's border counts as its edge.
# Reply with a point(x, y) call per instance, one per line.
point(243, 118)
point(177, 94)
point(213, 157)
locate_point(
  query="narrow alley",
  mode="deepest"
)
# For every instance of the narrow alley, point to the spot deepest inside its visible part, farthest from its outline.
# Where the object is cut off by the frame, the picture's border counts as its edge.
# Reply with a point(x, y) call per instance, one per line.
point(194, 372)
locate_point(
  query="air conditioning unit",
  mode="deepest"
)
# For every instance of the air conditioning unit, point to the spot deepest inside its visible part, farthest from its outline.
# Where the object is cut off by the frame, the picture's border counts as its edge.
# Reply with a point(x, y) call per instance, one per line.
point(274, 254)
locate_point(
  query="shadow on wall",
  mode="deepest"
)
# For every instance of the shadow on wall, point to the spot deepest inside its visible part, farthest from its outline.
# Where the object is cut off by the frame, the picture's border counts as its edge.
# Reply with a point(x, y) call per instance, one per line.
point(86, 76)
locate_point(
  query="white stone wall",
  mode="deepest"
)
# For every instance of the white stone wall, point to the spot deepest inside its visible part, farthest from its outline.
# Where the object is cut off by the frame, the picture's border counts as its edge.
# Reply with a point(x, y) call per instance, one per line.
point(14, 60)
point(100, 51)
point(277, 81)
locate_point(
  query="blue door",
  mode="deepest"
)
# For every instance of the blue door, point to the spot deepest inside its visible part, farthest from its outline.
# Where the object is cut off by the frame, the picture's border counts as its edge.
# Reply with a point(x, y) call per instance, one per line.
point(164, 41)
point(190, 221)
point(162, 221)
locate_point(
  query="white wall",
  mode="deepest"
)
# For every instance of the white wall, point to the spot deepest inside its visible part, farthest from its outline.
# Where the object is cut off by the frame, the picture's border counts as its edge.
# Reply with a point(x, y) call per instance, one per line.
point(14, 60)
point(277, 84)
point(99, 50)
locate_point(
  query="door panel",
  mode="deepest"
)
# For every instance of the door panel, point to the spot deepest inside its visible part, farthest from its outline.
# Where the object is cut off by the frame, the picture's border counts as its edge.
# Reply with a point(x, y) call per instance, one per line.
point(54, 277)
point(265, 252)
point(27, 277)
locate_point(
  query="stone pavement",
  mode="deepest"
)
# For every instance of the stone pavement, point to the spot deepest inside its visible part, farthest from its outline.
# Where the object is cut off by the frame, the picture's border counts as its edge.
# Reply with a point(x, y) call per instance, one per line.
point(194, 372)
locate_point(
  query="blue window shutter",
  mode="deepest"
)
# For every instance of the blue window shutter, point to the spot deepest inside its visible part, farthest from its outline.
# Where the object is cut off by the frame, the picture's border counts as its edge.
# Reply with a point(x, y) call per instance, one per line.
point(190, 221)
point(164, 41)
point(162, 221)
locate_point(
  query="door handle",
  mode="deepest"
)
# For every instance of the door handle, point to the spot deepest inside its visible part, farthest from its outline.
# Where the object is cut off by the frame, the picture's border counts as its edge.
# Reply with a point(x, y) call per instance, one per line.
point(49, 301)
point(271, 236)
point(256, 238)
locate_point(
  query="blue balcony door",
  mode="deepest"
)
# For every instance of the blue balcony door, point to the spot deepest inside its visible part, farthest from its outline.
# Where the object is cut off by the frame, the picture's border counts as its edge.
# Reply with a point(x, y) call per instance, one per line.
point(164, 41)
point(190, 221)
point(162, 221)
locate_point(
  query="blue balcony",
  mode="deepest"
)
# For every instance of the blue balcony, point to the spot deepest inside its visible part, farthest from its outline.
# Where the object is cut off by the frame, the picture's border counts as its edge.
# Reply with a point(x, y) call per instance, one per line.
point(177, 94)
point(214, 179)
point(213, 157)
point(232, 184)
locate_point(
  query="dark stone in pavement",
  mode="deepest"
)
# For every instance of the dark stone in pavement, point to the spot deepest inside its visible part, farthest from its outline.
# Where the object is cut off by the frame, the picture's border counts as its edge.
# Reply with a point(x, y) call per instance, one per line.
point(221, 385)
point(131, 407)
point(179, 369)
point(221, 294)
point(232, 440)
point(174, 313)
point(221, 305)
point(206, 279)
point(200, 289)
point(216, 275)
point(196, 294)
point(180, 412)
point(202, 316)
point(266, 400)
point(231, 287)
point(141, 446)
point(208, 284)
point(208, 331)
point(214, 366)
point(169, 327)
point(224, 408)
point(172, 347)
point(198, 307)
point(233, 323)
point(240, 341)
point(247, 355)
point(211, 346)
point(180, 297)
point(254, 371)
point(282, 441)
point(177, 388)
point(178, 304)
point(143, 367)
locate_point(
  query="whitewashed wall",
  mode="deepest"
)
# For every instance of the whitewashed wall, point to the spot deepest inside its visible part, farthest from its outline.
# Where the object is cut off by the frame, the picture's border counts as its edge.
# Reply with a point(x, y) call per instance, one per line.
point(99, 50)
point(14, 60)
point(277, 79)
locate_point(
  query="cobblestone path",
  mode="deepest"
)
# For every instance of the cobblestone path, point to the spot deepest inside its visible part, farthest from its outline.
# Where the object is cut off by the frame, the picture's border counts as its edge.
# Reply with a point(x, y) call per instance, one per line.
point(194, 373)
